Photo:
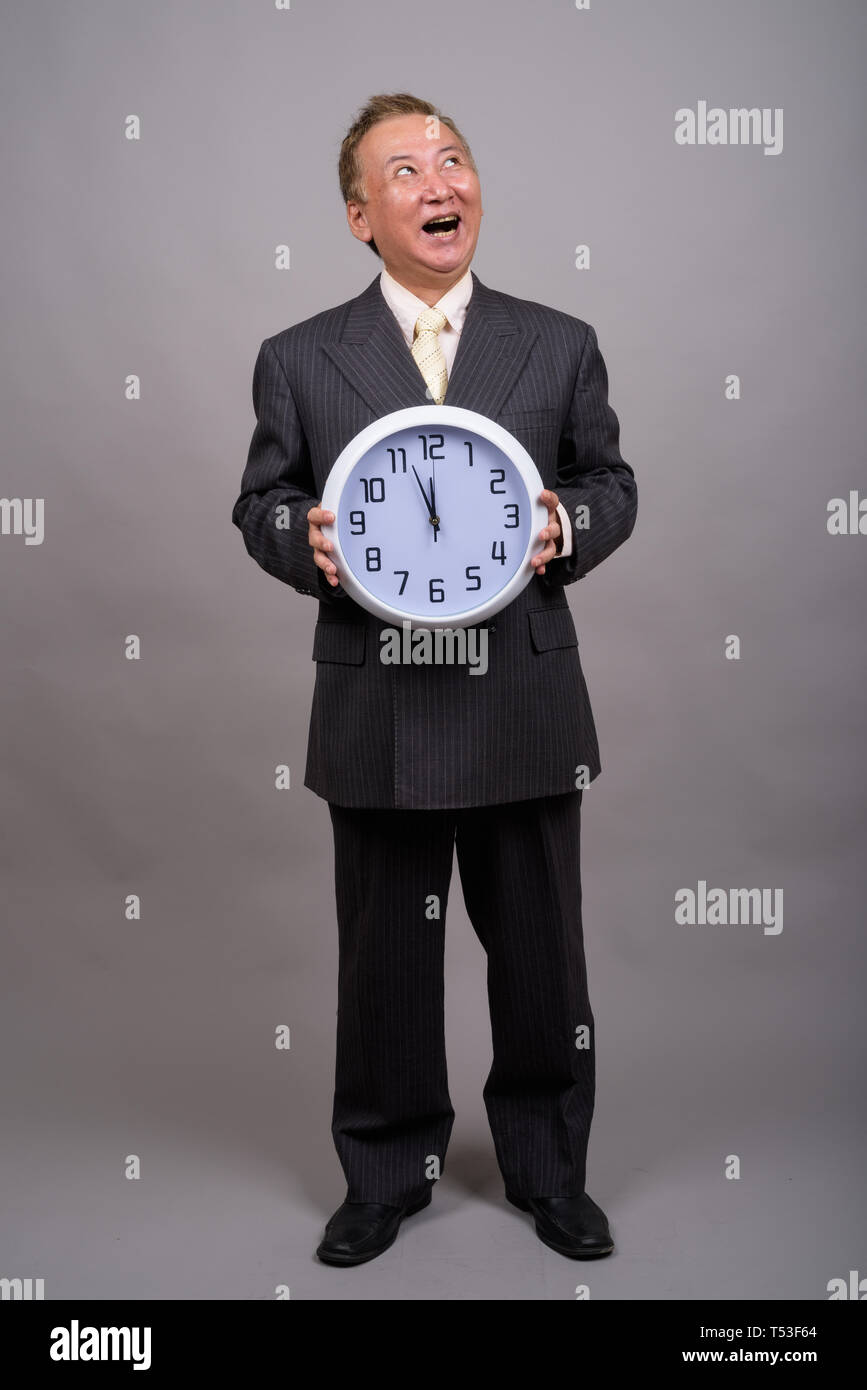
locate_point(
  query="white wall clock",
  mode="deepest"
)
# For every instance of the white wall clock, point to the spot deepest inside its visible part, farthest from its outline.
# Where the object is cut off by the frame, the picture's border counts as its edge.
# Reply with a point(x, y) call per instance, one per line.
point(437, 516)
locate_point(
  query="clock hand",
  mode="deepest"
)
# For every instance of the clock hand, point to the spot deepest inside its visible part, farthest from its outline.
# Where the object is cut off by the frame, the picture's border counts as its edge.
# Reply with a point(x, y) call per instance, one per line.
point(435, 521)
point(423, 493)
point(428, 503)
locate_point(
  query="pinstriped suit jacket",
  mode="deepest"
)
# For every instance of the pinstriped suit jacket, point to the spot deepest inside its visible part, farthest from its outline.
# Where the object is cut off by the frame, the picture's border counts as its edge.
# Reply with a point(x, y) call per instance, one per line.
point(434, 736)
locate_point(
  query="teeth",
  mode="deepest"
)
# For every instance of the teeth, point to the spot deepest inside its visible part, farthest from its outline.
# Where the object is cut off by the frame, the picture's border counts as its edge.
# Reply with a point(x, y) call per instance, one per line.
point(432, 221)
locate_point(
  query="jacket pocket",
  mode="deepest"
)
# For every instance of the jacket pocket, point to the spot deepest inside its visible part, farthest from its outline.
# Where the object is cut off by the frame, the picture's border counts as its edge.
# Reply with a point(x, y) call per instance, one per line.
point(528, 419)
point(552, 627)
point(343, 642)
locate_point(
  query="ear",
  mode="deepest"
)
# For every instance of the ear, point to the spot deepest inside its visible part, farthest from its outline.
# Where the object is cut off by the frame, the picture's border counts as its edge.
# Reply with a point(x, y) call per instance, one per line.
point(357, 219)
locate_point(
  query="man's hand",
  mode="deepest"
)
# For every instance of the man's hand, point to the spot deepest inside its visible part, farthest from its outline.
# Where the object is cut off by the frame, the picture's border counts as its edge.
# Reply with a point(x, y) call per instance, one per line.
point(316, 517)
point(549, 533)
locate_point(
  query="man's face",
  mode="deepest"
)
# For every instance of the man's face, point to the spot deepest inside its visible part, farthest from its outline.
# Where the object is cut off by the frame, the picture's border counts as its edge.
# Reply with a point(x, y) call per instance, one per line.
point(409, 179)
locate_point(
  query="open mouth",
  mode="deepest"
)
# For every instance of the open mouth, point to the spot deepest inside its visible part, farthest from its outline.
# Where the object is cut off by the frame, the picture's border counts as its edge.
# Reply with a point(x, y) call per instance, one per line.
point(442, 227)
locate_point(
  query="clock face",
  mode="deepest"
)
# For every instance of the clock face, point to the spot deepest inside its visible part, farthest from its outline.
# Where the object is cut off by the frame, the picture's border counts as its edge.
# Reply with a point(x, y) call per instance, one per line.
point(437, 516)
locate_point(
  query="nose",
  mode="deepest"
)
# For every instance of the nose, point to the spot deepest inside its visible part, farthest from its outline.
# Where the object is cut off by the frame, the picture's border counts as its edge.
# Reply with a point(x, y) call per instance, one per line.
point(435, 188)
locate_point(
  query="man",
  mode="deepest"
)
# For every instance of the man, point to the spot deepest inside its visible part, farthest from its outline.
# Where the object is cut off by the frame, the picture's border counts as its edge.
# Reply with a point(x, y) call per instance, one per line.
point(418, 760)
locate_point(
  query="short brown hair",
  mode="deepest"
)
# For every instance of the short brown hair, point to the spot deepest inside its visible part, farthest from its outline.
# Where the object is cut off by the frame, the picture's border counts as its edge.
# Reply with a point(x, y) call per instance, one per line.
point(379, 108)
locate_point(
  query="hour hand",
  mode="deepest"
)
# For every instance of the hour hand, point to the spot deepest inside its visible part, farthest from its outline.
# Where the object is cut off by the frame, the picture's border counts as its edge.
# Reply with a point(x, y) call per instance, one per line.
point(435, 521)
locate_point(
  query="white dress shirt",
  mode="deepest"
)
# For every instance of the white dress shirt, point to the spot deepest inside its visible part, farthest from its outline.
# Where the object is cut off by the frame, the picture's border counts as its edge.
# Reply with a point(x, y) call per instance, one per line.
point(406, 308)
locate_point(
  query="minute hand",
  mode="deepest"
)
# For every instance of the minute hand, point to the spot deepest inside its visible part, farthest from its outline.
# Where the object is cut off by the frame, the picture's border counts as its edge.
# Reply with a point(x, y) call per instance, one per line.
point(427, 500)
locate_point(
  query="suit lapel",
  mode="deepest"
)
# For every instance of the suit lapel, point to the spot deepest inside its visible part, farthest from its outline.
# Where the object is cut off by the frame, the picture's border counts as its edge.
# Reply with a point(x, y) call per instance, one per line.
point(374, 358)
point(492, 350)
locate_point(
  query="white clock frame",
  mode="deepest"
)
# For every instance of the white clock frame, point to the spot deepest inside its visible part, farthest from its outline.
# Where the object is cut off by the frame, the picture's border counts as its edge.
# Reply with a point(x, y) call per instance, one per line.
point(429, 417)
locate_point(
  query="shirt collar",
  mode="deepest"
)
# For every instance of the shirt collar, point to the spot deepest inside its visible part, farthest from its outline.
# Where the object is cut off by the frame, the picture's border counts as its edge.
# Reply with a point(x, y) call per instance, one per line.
point(406, 306)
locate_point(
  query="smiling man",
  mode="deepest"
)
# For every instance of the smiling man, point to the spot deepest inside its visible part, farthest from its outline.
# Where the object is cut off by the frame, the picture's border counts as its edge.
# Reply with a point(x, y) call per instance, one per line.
point(427, 235)
point(418, 761)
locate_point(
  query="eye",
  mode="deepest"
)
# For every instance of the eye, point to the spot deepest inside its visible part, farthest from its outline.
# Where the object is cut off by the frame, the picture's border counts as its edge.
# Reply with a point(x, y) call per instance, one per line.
point(454, 157)
point(403, 166)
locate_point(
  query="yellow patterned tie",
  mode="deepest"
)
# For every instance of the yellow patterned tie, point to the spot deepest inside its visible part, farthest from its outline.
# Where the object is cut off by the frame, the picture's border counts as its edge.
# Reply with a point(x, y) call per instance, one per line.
point(429, 355)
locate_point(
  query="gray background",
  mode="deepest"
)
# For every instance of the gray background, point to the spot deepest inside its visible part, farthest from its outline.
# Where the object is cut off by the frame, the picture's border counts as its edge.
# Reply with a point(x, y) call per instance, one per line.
point(156, 777)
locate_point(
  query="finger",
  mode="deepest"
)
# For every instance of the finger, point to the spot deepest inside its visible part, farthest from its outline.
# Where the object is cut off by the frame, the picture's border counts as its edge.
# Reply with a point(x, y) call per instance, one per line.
point(548, 535)
point(331, 575)
point(324, 562)
point(317, 540)
point(541, 558)
point(319, 515)
point(549, 499)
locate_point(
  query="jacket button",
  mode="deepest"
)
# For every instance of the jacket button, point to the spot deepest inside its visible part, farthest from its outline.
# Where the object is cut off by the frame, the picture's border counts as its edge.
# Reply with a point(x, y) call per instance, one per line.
point(493, 627)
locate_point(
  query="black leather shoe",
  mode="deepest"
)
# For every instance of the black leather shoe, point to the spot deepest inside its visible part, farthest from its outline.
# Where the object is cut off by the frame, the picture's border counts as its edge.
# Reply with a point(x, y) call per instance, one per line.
point(572, 1226)
point(360, 1231)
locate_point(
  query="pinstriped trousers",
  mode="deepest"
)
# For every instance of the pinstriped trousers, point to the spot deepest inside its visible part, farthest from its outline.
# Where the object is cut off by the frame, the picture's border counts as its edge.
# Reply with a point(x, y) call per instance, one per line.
point(519, 866)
